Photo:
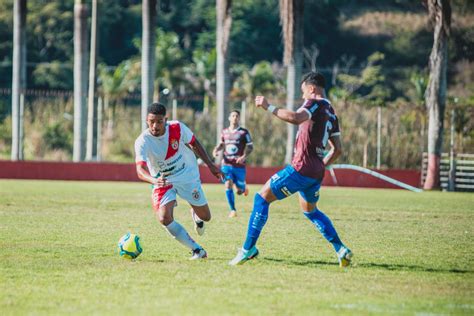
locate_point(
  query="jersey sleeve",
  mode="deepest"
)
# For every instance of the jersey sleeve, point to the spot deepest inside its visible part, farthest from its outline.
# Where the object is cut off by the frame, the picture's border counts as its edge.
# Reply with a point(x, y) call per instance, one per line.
point(140, 151)
point(309, 107)
point(335, 131)
point(187, 135)
point(248, 138)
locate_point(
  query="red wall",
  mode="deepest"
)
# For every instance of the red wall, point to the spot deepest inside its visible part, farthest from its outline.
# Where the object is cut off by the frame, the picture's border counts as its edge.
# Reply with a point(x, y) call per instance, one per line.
point(126, 172)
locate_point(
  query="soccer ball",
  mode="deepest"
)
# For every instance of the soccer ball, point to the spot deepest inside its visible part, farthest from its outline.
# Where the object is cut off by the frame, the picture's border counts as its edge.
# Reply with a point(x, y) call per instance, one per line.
point(129, 246)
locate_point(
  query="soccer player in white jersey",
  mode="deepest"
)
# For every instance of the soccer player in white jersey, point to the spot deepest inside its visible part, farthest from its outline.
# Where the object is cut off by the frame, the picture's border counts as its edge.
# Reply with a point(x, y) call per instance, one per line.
point(164, 156)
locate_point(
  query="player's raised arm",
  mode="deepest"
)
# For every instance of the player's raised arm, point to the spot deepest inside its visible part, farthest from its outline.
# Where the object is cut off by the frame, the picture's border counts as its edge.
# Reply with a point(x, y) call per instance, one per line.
point(283, 114)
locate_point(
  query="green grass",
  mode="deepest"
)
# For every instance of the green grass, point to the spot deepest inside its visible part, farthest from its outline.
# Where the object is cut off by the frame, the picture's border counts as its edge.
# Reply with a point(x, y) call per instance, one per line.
point(413, 254)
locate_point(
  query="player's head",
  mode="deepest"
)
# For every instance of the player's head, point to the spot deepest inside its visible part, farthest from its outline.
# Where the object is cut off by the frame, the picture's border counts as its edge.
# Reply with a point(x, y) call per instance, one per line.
point(156, 119)
point(234, 117)
point(312, 83)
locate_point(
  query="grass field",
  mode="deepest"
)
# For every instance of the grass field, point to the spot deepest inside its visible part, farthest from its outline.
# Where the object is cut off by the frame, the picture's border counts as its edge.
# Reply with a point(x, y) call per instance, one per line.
point(414, 254)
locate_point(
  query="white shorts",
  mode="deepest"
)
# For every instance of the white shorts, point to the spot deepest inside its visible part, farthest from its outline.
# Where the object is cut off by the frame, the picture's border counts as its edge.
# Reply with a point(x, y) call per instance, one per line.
point(190, 191)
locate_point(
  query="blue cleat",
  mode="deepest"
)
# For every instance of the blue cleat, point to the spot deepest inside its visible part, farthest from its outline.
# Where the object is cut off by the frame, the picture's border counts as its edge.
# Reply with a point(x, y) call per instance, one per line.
point(243, 256)
point(344, 256)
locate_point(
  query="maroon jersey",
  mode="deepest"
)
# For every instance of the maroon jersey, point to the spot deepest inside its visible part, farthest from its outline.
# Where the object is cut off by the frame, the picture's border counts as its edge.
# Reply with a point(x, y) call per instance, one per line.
point(312, 138)
point(234, 145)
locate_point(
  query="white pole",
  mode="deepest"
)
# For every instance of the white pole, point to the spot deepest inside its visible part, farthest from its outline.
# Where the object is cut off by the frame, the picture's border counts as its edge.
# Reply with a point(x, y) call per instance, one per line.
point(379, 127)
point(175, 109)
point(243, 111)
point(92, 80)
point(21, 123)
point(99, 129)
point(452, 162)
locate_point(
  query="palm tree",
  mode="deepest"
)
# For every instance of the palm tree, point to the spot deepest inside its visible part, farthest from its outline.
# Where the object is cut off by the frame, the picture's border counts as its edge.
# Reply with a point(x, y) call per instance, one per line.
point(148, 54)
point(224, 23)
point(80, 79)
point(18, 77)
point(291, 19)
point(439, 12)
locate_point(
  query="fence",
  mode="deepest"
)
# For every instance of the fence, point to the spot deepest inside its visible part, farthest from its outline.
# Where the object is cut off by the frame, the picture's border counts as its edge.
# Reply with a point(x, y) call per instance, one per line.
point(459, 169)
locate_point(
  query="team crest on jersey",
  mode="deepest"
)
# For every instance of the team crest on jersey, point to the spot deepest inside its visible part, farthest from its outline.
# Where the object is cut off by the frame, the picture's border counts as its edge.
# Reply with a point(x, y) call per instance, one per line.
point(196, 195)
point(174, 144)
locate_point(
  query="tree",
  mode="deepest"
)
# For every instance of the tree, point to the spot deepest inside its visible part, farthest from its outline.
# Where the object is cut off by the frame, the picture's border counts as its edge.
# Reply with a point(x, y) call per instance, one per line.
point(224, 22)
point(291, 19)
point(19, 77)
point(80, 79)
point(148, 54)
point(439, 12)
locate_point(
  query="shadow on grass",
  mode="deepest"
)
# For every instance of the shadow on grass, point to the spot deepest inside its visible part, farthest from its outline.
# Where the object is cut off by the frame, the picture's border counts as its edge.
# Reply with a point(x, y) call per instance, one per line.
point(407, 267)
point(386, 266)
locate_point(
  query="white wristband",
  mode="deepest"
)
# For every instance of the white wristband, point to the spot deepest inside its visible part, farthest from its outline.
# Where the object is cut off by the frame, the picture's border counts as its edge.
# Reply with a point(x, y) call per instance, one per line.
point(271, 108)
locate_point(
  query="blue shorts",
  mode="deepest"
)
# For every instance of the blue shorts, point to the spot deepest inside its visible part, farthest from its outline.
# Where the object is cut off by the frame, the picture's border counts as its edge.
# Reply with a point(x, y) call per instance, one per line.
point(288, 181)
point(236, 174)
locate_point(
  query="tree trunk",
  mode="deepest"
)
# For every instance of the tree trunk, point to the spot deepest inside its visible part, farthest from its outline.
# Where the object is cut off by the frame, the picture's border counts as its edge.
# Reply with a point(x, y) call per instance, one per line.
point(149, 14)
point(80, 79)
point(91, 150)
point(18, 76)
point(291, 19)
point(435, 96)
point(224, 22)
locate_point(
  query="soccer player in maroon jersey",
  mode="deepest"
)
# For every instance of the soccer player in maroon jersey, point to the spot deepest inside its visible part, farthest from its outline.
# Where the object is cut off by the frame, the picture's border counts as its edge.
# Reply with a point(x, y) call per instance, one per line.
point(318, 126)
point(237, 145)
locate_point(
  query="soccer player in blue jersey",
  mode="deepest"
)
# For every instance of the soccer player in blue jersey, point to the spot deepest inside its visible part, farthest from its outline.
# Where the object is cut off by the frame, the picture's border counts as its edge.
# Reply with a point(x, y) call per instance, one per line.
point(318, 126)
point(236, 143)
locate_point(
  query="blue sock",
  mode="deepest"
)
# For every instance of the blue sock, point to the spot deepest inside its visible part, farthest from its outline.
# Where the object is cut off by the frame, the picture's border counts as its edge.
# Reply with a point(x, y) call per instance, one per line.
point(324, 225)
point(257, 220)
point(229, 193)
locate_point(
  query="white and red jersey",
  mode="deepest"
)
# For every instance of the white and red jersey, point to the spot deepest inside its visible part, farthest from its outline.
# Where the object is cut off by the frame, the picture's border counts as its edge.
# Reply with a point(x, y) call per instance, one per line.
point(168, 155)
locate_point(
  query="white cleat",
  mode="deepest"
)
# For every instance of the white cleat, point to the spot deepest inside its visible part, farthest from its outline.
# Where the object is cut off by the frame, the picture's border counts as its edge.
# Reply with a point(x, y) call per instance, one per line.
point(244, 256)
point(344, 256)
point(198, 253)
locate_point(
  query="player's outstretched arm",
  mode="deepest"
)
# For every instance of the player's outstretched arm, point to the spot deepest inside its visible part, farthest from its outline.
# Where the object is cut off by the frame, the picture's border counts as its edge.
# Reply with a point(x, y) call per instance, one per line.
point(202, 153)
point(283, 114)
point(335, 151)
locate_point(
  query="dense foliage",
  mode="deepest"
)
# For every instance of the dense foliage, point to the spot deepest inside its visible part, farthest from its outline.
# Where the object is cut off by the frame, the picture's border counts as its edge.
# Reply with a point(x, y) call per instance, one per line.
point(373, 53)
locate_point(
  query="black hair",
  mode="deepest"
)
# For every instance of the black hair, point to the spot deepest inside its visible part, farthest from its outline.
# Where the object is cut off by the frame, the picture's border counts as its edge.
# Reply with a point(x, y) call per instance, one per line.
point(314, 78)
point(157, 109)
point(236, 111)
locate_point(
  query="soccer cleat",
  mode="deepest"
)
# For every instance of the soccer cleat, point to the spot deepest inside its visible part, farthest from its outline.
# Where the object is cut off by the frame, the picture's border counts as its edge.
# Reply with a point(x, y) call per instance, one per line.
point(198, 224)
point(198, 253)
point(243, 256)
point(232, 214)
point(344, 255)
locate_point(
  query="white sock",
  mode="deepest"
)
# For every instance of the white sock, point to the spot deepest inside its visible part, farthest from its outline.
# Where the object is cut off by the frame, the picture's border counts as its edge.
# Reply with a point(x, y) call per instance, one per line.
point(196, 218)
point(180, 234)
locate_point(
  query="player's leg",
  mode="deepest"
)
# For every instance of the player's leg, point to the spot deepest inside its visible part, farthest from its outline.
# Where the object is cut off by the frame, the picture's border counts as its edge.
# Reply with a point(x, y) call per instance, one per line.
point(193, 193)
point(229, 192)
point(240, 184)
point(164, 214)
point(280, 186)
point(308, 202)
point(200, 214)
